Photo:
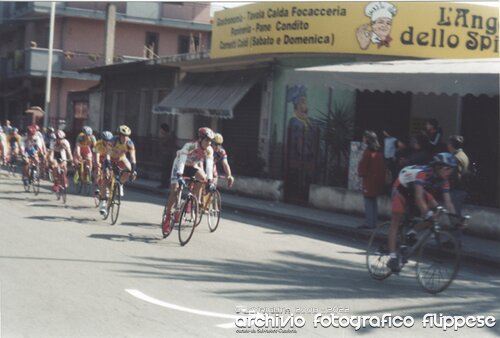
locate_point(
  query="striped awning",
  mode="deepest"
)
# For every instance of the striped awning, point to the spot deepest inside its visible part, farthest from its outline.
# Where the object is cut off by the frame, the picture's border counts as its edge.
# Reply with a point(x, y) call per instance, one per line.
point(210, 94)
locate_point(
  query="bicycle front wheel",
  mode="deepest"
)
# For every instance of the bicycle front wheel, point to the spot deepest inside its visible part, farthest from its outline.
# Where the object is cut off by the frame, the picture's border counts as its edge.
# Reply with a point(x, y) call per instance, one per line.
point(115, 204)
point(438, 261)
point(377, 253)
point(214, 209)
point(36, 182)
point(187, 220)
point(63, 194)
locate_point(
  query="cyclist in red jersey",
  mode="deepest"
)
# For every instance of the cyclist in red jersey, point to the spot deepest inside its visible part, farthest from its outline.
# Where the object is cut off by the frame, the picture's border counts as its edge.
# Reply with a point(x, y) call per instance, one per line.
point(419, 186)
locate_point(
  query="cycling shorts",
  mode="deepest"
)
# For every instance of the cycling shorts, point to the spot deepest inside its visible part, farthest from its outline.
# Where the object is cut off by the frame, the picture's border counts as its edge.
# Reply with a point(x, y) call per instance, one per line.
point(400, 203)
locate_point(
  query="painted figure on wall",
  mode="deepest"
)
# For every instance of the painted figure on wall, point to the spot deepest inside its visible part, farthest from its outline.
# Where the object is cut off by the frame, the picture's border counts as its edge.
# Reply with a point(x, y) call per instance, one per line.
point(302, 146)
point(379, 30)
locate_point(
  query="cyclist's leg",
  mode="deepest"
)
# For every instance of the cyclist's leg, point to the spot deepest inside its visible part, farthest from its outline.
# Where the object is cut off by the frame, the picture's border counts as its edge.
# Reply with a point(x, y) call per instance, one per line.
point(125, 164)
point(198, 187)
point(26, 164)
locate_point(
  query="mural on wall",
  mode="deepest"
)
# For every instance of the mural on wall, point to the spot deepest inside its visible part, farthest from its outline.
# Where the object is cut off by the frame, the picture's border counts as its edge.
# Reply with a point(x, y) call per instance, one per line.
point(302, 146)
point(378, 31)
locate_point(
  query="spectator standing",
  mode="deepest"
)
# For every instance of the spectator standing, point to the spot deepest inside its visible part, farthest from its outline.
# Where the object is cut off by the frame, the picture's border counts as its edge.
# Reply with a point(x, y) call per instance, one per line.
point(435, 135)
point(390, 146)
point(371, 169)
point(458, 180)
point(168, 147)
point(421, 153)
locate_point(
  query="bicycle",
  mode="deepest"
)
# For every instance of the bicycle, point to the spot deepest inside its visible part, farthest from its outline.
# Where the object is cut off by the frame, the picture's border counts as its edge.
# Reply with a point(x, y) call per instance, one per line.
point(436, 252)
point(114, 197)
point(33, 178)
point(185, 213)
point(211, 205)
point(12, 164)
point(82, 178)
point(61, 182)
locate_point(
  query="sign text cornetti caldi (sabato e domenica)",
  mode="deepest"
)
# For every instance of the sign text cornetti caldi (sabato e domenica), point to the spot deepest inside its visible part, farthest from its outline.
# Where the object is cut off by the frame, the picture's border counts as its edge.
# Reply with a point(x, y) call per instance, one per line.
point(415, 29)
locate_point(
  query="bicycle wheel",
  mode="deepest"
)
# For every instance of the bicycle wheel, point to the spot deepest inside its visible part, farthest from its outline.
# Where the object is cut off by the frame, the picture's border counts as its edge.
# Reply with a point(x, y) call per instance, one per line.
point(377, 253)
point(164, 231)
point(63, 194)
point(115, 204)
point(187, 220)
point(27, 185)
point(214, 210)
point(109, 199)
point(438, 261)
point(35, 182)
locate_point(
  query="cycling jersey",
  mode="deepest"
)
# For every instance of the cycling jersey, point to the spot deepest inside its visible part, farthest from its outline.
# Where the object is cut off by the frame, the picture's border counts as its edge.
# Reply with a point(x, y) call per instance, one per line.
point(85, 141)
point(192, 154)
point(102, 148)
point(119, 150)
point(31, 146)
point(403, 193)
point(220, 154)
point(60, 148)
point(14, 141)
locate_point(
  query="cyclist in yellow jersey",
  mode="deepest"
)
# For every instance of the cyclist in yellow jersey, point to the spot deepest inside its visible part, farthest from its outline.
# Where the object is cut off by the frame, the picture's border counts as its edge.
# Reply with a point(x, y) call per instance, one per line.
point(14, 143)
point(121, 146)
point(85, 141)
point(102, 152)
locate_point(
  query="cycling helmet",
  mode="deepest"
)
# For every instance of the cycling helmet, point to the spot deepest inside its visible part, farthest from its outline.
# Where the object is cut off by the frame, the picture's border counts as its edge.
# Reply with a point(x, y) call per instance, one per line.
point(50, 130)
point(107, 135)
point(31, 130)
point(14, 131)
point(60, 134)
point(87, 130)
point(444, 159)
point(218, 139)
point(124, 130)
point(205, 132)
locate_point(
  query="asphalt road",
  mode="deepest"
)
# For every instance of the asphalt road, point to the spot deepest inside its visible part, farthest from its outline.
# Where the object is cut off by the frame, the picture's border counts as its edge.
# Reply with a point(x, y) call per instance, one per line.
point(64, 272)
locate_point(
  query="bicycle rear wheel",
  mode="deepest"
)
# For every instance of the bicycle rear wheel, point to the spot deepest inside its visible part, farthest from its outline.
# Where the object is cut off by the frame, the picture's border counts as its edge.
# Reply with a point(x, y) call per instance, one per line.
point(115, 204)
point(438, 261)
point(187, 220)
point(377, 253)
point(214, 209)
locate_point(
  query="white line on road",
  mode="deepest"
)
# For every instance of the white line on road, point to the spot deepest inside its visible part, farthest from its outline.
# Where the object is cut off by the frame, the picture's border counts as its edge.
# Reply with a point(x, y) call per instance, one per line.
point(144, 297)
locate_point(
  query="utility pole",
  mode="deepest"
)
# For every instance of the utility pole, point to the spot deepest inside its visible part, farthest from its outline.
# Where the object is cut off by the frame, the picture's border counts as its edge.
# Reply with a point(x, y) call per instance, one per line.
point(49, 65)
point(109, 42)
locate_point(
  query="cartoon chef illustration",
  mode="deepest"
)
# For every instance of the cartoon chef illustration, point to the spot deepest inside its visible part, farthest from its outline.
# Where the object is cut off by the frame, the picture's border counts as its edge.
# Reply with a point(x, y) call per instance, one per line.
point(379, 30)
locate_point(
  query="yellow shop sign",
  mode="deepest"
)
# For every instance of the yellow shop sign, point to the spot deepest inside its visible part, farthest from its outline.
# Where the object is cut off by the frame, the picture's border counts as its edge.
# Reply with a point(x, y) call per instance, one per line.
point(415, 29)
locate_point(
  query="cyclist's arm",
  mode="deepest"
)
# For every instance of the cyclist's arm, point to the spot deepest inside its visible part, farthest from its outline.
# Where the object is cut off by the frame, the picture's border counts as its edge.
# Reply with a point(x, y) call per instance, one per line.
point(447, 202)
point(182, 159)
point(210, 164)
point(67, 147)
point(226, 167)
point(420, 200)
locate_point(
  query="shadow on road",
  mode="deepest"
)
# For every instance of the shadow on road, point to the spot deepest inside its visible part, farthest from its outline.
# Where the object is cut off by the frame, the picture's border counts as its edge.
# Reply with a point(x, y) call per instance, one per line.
point(64, 219)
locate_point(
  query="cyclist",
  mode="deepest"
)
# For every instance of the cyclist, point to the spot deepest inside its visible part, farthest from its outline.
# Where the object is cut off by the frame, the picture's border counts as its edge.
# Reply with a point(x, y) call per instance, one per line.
point(102, 150)
point(418, 186)
point(220, 156)
point(189, 162)
point(85, 141)
point(3, 146)
point(58, 155)
point(121, 145)
point(14, 141)
point(30, 151)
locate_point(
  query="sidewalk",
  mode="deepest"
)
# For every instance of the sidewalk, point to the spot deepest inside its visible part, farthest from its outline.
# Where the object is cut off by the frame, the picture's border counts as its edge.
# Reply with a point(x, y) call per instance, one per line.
point(474, 249)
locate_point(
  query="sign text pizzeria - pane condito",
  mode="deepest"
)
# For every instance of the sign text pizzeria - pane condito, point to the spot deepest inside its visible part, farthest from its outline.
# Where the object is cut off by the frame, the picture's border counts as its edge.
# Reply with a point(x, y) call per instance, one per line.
point(425, 29)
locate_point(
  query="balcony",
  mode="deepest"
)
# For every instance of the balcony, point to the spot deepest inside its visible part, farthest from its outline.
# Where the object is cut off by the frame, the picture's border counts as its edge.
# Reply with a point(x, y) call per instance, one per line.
point(34, 61)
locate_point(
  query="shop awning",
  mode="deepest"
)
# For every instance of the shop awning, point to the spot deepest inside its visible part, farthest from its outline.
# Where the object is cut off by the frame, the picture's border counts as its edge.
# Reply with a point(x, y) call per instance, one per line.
point(209, 94)
point(438, 76)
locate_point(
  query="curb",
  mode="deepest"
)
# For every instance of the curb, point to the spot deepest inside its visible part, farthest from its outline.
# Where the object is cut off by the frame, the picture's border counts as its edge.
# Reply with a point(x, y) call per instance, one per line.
point(467, 256)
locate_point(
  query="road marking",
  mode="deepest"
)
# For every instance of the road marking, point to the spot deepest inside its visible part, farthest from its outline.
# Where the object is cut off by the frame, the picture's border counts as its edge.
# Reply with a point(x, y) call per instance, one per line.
point(146, 298)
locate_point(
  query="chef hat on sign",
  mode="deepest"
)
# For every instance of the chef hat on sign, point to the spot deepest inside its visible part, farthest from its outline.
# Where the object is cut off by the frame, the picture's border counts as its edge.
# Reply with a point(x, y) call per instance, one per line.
point(380, 9)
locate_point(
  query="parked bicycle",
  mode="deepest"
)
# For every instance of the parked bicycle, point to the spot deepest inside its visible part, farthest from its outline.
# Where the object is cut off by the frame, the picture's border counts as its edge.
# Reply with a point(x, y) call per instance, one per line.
point(436, 251)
